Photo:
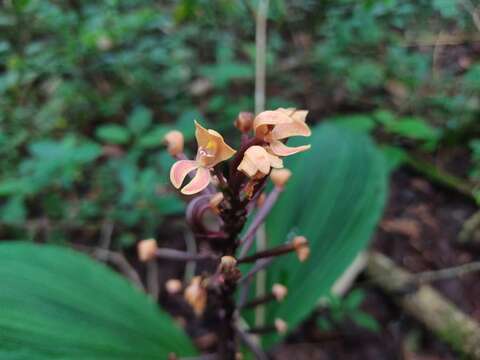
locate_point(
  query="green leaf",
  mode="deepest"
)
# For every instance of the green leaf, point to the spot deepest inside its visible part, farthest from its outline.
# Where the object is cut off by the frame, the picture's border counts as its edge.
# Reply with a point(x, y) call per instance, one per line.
point(413, 128)
point(14, 211)
point(335, 199)
point(113, 133)
point(354, 299)
point(56, 303)
point(140, 119)
point(154, 138)
point(366, 321)
point(394, 157)
point(13, 186)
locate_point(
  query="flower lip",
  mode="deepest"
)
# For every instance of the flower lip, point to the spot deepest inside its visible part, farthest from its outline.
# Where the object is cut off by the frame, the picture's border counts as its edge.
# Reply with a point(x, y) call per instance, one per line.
point(212, 148)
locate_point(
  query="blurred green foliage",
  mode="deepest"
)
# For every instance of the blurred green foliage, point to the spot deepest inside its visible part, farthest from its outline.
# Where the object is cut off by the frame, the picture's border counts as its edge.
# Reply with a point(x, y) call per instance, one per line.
point(89, 88)
point(347, 308)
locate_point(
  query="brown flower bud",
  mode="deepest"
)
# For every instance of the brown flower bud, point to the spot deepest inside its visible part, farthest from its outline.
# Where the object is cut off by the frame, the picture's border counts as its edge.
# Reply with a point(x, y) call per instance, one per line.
point(281, 326)
point(280, 177)
point(279, 291)
point(244, 121)
point(301, 247)
point(215, 201)
point(174, 141)
point(196, 295)
point(173, 286)
point(147, 249)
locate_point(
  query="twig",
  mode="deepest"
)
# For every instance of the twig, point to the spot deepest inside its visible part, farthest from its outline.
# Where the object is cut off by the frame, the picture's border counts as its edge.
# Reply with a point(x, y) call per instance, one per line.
point(260, 85)
point(447, 273)
point(260, 55)
point(427, 305)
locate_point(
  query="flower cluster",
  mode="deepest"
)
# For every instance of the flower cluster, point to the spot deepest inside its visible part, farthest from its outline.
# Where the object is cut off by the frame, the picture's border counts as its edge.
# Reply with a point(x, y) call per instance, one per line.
point(230, 191)
point(270, 129)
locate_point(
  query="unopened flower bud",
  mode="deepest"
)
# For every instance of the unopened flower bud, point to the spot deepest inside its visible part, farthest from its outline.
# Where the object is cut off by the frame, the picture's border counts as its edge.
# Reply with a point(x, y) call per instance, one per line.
point(227, 263)
point(196, 295)
point(173, 286)
point(174, 140)
point(239, 356)
point(279, 291)
point(281, 326)
point(244, 121)
point(147, 249)
point(301, 247)
point(215, 201)
point(280, 177)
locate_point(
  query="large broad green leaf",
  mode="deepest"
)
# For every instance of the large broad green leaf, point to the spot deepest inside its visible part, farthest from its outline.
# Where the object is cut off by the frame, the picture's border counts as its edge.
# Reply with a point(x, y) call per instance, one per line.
point(58, 304)
point(335, 198)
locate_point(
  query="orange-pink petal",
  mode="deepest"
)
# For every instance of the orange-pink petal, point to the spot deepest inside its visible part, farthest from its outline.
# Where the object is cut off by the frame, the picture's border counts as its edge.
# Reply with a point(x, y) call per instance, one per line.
point(199, 182)
point(286, 130)
point(212, 146)
point(296, 115)
point(269, 118)
point(279, 148)
point(180, 170)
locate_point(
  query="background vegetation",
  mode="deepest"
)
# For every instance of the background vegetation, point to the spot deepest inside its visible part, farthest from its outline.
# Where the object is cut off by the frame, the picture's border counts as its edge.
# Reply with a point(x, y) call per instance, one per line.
point(88, 89)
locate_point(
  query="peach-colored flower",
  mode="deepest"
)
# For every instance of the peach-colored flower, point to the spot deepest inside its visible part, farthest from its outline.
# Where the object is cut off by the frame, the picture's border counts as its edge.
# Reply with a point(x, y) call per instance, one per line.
point(257, 161)
point(212, 150)
point(272, 126)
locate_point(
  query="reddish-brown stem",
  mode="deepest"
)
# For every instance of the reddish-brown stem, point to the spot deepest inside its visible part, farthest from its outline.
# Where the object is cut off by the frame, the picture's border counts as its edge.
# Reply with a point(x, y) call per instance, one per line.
point(259, 301)
point(261, 330)
point(172, 254)
point(277, 251)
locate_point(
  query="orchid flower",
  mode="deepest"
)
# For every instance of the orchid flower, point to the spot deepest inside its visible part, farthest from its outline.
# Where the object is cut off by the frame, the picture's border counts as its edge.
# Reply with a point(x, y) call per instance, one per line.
point(257, 162)
point(273, 126)
point(212, 150)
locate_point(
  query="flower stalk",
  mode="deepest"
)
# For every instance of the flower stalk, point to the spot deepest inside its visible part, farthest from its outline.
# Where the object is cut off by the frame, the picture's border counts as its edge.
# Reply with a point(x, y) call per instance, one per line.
point(223, 197)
